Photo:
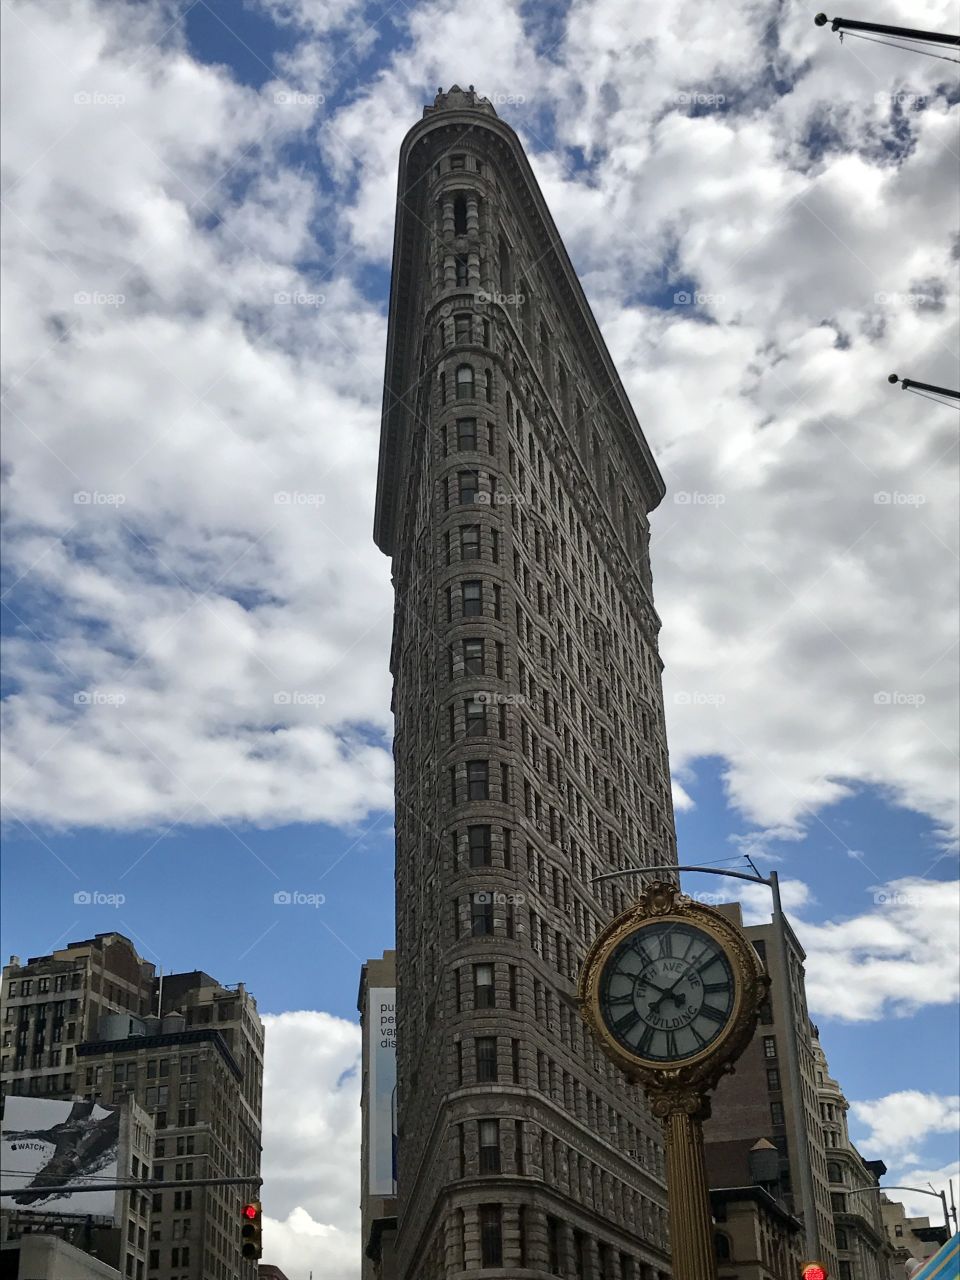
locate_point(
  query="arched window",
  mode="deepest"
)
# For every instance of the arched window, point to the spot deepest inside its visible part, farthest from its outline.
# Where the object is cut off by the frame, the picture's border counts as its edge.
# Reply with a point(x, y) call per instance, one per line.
point(721, 1246)
point(834, 1172)
point(465, 382)
point(460, 216)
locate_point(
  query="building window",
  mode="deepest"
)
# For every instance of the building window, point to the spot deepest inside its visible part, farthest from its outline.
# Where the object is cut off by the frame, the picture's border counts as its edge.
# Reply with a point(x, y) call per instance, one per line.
point(470, 542)
point(481, 915)
point(473, 657)
point(553, 1246)
point(472, 599)
point(765, 1014)
point(769, 1046)
point(486, 1047)
point(462, 271)
point(478, 781)
point(461, 328)
point(489, 1138)
point(773, 1078)
point(475, 717)
point(488, 386)
point(458, 162)
point(468, 483)
point(721, 1246)
point(467, 434)
point(846, 1272)
point(491, 1236)
point(484, 988)
point(478, 840)
point(834, 1172)
point(776, 1113)
point(838, 1202)
point(464, 382)
point(841, 1234)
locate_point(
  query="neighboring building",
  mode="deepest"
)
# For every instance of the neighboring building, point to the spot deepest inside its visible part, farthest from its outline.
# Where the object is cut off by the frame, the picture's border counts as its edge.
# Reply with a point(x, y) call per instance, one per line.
point(378, 1201)
point(53, 1003)
point(910, 1237)
point(755, 1237)
point(514, 488)
point(756, 1101)
point(862, 1247)
point(267, 1271)
point(198, 1072)
point(49, 1257)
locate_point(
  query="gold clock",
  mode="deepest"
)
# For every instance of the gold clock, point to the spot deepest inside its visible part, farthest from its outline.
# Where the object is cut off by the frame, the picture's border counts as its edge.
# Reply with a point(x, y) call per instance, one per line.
point(671, 988)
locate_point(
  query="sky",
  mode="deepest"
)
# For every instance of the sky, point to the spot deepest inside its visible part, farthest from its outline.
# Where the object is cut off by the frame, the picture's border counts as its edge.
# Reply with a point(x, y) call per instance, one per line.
point(199, 201)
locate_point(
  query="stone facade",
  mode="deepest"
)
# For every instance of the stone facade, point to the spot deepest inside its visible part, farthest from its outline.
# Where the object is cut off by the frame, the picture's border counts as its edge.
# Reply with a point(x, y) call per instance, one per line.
point(863, 1250)
point(755, 1238)
point(513, 494)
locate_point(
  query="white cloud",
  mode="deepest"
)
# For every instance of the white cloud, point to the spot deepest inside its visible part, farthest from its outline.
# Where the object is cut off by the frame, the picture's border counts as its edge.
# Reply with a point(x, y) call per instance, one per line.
point(311, 1135)
point(901, 1121)
point(785, 587)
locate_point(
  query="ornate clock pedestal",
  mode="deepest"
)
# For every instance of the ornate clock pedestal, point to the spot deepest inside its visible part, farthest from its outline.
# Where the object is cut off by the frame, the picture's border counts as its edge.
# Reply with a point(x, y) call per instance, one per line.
point(683, 1112)
point(671, 990)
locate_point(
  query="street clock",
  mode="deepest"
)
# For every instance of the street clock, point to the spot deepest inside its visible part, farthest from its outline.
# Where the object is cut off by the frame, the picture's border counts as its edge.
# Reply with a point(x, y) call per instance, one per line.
point(671, 989)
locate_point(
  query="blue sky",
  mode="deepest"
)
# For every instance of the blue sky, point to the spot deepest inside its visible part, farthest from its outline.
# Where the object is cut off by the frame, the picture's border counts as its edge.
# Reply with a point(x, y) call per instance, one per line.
point(197, 622)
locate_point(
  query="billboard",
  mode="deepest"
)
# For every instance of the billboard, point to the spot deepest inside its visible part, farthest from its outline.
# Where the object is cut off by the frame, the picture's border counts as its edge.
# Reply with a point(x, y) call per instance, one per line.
point(382, 1090)
point(47, 1142)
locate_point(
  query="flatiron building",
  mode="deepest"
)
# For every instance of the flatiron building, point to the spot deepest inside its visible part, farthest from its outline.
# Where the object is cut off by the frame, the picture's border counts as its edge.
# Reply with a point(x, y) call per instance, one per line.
point(513, 496)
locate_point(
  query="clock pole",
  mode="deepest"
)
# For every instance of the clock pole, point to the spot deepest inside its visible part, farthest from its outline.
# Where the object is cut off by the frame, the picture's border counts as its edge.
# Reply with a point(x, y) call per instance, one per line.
point(683, 1112)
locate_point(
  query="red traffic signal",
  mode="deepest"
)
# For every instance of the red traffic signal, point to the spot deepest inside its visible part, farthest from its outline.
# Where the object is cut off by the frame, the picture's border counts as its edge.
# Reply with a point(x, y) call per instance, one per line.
point(814, 1271)
point(252, 1244)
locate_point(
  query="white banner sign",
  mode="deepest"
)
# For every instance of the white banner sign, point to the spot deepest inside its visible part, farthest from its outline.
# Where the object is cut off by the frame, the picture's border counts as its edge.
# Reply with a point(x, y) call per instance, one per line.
point(382, 1086)
point(52, 1143)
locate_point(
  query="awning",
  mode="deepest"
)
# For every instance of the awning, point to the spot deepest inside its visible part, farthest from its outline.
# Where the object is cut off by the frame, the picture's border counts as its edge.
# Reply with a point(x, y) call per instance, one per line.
point(944, 1265)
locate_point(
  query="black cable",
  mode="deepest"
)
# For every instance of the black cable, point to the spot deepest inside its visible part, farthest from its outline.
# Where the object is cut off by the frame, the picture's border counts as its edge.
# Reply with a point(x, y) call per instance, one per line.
point(873, 40)
point(946, 403)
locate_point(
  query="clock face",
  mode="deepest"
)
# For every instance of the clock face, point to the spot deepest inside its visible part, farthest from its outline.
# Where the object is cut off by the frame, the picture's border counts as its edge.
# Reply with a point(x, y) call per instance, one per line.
point(667, 991)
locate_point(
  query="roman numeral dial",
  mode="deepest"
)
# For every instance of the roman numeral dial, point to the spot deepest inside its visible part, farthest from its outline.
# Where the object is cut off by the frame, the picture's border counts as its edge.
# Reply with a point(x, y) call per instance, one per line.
point(667, 991)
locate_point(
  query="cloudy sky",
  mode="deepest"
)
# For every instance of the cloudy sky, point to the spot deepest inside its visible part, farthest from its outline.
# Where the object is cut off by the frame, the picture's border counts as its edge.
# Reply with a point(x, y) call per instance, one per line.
point(199, 202)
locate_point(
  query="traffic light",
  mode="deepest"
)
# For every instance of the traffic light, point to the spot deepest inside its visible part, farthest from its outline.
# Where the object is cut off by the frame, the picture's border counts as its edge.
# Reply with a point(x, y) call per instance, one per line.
point(250, 1228)
point(813, 1271)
